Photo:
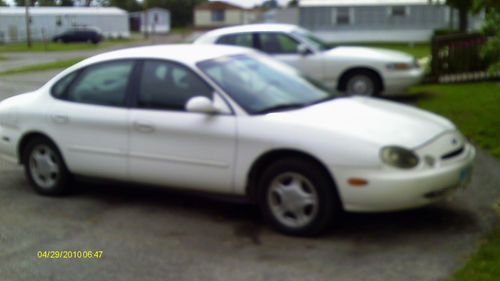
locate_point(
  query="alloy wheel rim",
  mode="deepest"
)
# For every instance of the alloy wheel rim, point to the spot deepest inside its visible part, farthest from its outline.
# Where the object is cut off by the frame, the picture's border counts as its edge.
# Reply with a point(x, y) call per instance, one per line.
point(44, 167)
point(293, 200)
point(360, 85)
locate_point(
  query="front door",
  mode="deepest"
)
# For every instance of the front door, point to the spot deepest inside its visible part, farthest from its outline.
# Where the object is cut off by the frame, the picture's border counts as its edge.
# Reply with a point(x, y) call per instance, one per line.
point(285, 49)
point(173, 147)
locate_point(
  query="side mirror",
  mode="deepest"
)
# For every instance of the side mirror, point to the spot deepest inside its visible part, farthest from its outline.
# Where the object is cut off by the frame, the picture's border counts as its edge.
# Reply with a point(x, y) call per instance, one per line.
point(303, 50)
point(201, 104)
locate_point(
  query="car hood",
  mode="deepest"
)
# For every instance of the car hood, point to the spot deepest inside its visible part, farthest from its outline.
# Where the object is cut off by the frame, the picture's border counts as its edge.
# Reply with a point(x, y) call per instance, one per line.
point(369, 53)
point(372, 120)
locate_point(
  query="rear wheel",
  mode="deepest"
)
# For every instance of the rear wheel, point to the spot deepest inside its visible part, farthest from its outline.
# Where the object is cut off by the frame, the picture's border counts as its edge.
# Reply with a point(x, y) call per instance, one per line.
point(45, 168)
point(297, 197)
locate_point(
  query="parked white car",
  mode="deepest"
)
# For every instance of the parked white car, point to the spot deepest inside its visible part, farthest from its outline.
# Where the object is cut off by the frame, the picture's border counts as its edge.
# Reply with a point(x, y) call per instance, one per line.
point(232, 121)
point(353, 70)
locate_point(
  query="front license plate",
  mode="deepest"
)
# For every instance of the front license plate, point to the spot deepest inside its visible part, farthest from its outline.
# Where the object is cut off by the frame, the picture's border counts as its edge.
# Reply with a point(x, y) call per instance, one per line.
point(465, 176)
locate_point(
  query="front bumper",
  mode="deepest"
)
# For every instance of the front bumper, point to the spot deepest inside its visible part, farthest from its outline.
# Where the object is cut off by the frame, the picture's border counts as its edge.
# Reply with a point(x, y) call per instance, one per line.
point(396, 82)
point(8, 144)
point(391, 189)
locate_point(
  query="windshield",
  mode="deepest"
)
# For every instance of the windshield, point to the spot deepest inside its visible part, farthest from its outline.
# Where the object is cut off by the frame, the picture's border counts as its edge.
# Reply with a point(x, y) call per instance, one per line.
point(260, 85)
point(311, 39)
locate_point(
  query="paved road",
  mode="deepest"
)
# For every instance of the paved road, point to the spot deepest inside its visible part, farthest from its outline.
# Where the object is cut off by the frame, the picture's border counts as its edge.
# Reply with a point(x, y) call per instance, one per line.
point(20, 59)
point(153, 234)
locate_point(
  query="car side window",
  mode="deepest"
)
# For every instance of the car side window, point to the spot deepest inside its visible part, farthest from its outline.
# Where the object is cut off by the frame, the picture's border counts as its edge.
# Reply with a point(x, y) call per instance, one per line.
point(102, 84)
point(60, 86)
point(243, 40)
point(277, 43)
point(169, 86)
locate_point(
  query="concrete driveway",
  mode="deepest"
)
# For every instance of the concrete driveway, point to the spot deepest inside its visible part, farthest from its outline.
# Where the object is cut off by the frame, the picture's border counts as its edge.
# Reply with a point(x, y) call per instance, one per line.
point(155, 234)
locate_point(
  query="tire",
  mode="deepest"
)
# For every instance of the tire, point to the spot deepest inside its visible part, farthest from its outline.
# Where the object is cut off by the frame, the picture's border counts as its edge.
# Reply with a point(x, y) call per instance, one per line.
point(362, 83)
point(45, 168)
point(297, 198)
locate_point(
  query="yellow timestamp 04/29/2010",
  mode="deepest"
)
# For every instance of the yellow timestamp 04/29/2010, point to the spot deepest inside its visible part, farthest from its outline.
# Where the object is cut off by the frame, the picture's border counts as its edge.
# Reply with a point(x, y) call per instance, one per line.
point(70, 254)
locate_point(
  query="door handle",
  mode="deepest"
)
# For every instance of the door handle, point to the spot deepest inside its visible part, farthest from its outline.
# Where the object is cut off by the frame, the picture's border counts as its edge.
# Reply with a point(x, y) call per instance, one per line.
point(60, 118)
point(144, 127)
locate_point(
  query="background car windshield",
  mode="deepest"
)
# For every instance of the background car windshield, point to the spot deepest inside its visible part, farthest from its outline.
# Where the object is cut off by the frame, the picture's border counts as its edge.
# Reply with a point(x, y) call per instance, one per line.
point(259, 84)
point(311, 39)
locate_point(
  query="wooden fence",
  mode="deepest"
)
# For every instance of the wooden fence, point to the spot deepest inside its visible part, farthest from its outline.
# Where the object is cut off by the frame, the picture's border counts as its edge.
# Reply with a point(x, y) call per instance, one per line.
point(456, 58)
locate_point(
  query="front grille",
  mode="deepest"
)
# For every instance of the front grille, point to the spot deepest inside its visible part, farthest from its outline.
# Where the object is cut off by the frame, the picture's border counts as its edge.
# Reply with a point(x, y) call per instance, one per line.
point(453, 153)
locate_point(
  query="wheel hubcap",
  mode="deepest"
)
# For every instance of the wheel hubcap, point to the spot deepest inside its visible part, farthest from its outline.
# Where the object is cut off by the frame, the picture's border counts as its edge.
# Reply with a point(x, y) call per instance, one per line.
point(293, 200)
point(44, 167)
point(361, 86)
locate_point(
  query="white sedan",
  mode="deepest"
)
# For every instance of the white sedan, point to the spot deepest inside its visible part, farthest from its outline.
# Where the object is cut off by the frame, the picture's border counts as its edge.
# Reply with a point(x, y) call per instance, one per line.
point(230, 120)
point(353, 70)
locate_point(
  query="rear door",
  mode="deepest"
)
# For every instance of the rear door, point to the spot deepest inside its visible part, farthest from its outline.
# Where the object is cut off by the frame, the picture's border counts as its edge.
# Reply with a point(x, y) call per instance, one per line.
point(238, 39)
point(90, 119)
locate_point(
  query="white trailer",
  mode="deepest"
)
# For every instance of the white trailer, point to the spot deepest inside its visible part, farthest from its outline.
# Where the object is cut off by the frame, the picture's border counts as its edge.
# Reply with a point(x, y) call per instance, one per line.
point(46, 22)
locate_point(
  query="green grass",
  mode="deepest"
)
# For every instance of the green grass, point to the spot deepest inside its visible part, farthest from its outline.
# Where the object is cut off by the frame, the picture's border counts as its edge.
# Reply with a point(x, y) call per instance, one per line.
point(42, 67)
point(484, 265)
point(181, 29)
point(473, 107)
point(418, 50)
point(58, 47)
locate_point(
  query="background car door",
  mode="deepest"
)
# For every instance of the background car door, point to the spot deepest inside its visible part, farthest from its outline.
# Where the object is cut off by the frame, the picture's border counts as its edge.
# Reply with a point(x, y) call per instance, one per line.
point(89, 119)
point(285, 49)
point(169, 146)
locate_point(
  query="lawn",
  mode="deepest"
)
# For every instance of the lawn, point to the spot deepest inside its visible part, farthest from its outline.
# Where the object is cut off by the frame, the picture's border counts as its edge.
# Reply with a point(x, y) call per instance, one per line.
point(57, 47)
point(484, 265)
point(43, 66)
point(474, 108)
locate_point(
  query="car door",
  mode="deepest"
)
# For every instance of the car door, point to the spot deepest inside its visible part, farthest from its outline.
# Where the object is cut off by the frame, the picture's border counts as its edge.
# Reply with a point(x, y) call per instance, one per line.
point(284, 48)
point(90, 120)
point(172, 147)
point(71, 36)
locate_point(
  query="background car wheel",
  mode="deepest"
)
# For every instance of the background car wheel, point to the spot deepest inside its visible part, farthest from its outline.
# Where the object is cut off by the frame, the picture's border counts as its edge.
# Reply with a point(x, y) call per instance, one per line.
point(45, 168)
point(297, 198)
point(362, 83)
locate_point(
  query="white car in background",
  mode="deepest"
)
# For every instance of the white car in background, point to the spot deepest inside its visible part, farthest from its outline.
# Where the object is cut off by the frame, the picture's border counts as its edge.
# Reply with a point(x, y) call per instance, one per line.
point(232, 121)
point(353, 70)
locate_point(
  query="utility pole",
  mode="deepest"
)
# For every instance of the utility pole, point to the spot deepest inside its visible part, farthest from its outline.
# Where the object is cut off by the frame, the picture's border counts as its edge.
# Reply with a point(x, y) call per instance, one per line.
point(146, 26)
point(27, 3)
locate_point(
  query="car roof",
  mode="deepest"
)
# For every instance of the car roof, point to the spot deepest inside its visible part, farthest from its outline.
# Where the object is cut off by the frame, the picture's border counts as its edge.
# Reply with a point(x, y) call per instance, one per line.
point(251, 28)
point(185, 53)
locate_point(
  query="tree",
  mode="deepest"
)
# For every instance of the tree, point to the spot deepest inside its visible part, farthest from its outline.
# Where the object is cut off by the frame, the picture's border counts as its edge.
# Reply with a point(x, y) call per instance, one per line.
point(490, 51)
point(464, 7)
point(2, 3)
point(66, 3)
point(181, 11)
point(20, 3)
point(128, 5)
point(270, 4)
point(293, 3)
point(45, 3)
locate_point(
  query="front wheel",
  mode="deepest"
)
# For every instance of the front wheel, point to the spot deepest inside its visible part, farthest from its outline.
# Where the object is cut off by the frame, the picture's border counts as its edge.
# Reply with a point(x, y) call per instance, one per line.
point(45, 168)
point(362, 83)
point(297, 197)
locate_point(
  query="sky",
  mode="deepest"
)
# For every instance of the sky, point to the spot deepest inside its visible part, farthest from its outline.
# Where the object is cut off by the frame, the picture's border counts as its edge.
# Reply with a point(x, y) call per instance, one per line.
point(243, 3)
point(251, 3)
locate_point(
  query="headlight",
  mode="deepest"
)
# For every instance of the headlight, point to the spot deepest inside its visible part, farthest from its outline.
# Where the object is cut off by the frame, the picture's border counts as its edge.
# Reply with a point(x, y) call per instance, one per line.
point(399, 66)
point(399, 157)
